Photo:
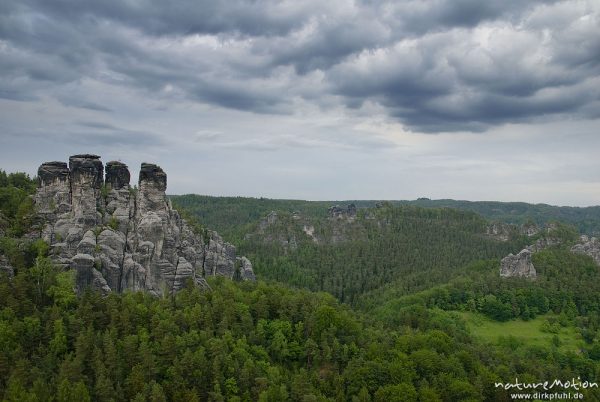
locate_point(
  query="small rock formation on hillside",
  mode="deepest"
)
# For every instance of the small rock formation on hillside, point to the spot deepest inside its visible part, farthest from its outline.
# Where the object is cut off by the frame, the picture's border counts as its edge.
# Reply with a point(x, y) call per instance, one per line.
point(336, 211)
point(500, 231)
point(544, 243)
point(518, 265)
point(529, 229)
point(588, 246)
point(504, 231)
point(278, 230)
point(119, 238)
point(5, 267)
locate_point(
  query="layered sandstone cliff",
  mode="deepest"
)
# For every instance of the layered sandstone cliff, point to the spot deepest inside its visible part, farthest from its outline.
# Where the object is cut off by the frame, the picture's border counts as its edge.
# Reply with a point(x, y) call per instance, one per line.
point(120, 238)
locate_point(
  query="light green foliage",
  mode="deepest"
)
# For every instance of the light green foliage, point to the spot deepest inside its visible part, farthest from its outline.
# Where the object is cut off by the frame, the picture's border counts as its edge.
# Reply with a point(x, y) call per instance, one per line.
point(531, 332)
point(113, 223)
point(104, 190)
point(436, 323)
point(249, 341)
point(62, 292)
point(43, 275)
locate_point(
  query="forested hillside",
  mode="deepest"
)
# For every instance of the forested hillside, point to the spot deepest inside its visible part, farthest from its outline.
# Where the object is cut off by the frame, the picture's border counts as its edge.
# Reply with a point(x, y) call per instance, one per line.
point(248, 342)
point(229, 214)
point(412, 309)
point(412, 247)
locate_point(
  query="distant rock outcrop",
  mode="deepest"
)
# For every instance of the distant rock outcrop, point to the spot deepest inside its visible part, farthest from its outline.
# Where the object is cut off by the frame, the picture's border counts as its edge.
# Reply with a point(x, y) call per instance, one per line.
point(500, 231)
point(336, 211)
point(588, 246)
point(119, 238)
point(505, 231)
point(518, 265)
point(5, 267)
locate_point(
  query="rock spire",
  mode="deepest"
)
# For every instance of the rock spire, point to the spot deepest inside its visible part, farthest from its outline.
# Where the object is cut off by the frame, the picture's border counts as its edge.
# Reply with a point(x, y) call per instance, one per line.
point(119, 238)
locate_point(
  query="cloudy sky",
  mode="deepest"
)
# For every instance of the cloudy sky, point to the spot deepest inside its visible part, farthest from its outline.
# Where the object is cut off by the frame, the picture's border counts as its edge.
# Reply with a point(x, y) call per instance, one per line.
point(312, 99)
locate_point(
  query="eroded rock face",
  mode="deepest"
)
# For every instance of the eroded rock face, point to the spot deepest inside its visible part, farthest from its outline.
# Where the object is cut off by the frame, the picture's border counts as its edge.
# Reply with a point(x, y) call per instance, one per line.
point(9, 271)
point(246, 271)
point(500, 231)
point(87, 177)
point(518, 265)
point(336, 211)
point(117, 175)
point(119, 239)
point(588, 246)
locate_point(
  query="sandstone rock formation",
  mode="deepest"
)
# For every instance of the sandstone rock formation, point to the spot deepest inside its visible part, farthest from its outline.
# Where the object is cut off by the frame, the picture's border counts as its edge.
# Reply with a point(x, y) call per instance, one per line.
point(119, 238)
point(336, 211)
point(5, 267)
point(588, 246)
point(521, 265)
point(543, 243)
point(505, 231)
point(518, 265)
point(500, 231)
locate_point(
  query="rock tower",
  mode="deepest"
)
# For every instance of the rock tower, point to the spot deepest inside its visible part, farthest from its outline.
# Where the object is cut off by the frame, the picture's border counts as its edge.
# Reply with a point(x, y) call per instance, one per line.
point(119, 238)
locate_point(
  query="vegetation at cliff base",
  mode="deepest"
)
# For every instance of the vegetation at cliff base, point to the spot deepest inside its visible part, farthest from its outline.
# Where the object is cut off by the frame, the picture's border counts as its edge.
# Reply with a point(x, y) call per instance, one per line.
point(16, 207)
point(397, 303)
point(246, 342)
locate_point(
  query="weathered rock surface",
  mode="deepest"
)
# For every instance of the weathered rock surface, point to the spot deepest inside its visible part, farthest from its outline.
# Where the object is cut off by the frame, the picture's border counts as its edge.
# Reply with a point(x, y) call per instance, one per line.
point(518, 265)
point(588, 246)
point(118, 238)
point(544, 243)
point(8, 270)
point(246, 271)
point(500, 231)
point(117, 175)
point(336, 211)
point(504, 231)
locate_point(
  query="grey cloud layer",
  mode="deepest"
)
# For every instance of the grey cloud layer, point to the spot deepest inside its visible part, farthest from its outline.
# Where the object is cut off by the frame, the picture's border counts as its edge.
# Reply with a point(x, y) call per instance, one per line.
point(435, 65)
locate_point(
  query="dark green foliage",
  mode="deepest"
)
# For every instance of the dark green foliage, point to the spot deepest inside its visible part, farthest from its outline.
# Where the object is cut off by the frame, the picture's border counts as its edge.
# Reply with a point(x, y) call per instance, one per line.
point(245, 342)
point(228, 214)
point(16, 207)
point(404, 248)
point(407, 268)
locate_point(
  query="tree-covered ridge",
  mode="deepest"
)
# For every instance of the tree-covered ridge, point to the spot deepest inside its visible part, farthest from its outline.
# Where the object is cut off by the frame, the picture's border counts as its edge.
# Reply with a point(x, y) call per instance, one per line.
point(245, 342)
point(412, 247)
point(411, 274)
point(229, 214)
point(585, 219)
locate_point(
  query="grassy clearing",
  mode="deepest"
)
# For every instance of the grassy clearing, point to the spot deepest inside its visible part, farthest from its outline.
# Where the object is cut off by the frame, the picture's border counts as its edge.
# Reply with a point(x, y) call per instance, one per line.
point(528, 332)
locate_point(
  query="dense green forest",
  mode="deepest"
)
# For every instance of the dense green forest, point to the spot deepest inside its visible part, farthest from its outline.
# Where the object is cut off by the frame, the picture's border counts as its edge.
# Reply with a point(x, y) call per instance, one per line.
point(395, 304)
point(411, 247)
point(246, 342)
point(228, 214)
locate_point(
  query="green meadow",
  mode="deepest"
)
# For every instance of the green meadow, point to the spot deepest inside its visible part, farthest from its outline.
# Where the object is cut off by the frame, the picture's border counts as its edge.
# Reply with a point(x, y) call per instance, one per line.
point(528, 332)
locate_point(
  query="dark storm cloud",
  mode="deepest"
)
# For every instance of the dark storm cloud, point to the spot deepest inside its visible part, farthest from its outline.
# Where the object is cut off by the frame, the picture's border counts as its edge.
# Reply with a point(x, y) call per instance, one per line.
point(418, 17)
point(186, 17)
point(434, 65)
point(94, 134)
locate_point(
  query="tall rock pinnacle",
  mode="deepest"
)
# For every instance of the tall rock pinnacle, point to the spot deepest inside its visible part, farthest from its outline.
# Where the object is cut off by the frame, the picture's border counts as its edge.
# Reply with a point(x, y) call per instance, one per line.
point(117, 175)
point(118, 239)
